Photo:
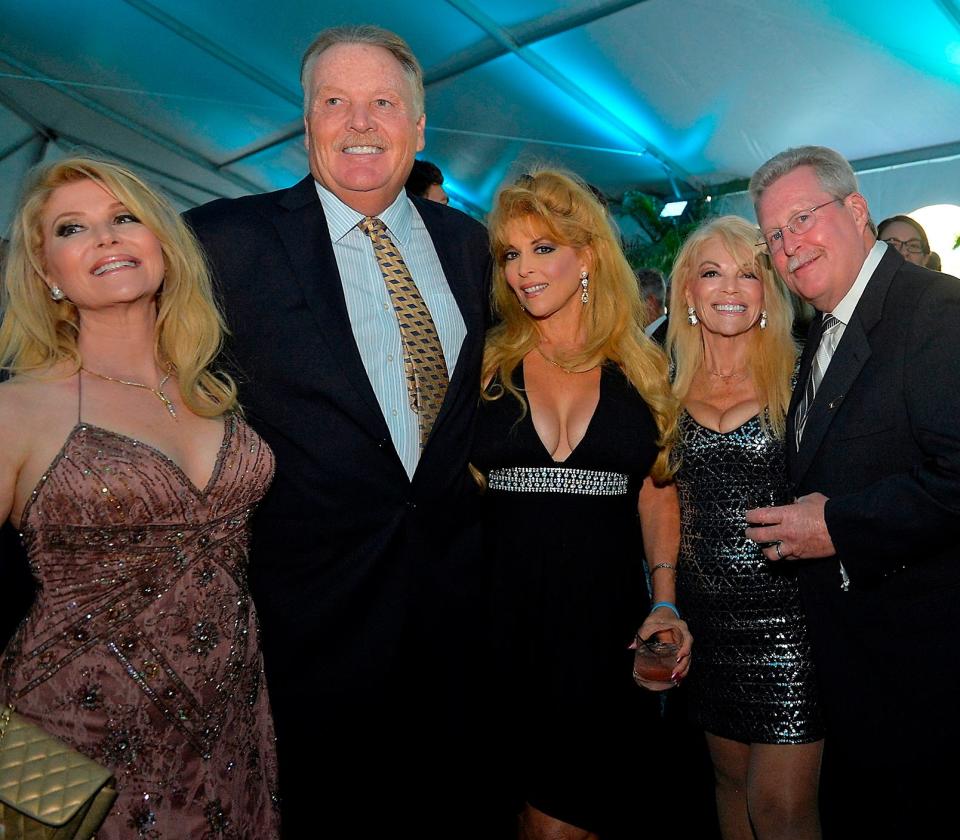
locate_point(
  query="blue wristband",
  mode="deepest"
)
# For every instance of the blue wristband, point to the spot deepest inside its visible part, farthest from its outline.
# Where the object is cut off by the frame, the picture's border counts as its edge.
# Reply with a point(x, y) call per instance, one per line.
point(668, 605)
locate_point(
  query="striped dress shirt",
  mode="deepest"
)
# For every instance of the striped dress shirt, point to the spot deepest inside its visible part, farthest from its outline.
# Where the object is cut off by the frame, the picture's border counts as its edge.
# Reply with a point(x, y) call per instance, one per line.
point(372, 318)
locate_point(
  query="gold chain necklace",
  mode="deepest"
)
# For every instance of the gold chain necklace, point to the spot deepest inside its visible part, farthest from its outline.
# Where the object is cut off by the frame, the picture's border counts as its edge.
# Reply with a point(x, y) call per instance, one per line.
point(736, 376)
point(157, 392)
point(564, 368)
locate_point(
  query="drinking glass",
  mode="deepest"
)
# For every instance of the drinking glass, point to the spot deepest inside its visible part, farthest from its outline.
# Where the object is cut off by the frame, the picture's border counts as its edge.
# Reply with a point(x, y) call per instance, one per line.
point(655, 659)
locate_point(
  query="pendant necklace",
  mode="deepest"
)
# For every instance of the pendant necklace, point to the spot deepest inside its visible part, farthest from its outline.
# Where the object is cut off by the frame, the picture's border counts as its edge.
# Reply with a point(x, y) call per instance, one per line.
point(157, 392)
point(564, 368)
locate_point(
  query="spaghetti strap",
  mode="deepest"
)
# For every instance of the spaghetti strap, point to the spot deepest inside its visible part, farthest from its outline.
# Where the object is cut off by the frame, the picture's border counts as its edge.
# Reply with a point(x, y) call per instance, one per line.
point(79, 394)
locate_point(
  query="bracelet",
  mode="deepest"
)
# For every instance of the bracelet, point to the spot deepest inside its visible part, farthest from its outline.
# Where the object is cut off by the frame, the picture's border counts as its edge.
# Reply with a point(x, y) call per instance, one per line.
point(663, 566)
point(668, 605)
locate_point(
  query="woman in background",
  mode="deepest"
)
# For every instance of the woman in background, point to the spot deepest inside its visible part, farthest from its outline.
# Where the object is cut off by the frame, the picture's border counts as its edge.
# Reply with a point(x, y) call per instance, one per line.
point(907, 236)
point(131, 477)
point(572, 438)
point(753, 687)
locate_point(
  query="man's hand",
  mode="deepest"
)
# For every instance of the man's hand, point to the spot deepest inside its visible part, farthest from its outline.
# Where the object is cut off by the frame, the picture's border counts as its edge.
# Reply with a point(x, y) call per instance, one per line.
point(792, 532)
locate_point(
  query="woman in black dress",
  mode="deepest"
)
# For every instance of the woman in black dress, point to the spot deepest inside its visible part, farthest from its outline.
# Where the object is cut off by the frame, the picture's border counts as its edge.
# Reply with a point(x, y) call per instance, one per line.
point(753, 687)
point(572, 440)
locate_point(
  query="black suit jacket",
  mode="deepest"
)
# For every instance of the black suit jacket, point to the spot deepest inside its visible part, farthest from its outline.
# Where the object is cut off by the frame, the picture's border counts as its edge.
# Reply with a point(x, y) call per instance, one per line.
point(882, 438)
point(359, 574)
point(882, 441)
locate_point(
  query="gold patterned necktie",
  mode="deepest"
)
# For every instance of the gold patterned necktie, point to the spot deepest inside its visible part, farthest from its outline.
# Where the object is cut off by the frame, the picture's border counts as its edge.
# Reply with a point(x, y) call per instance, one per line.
point(424, 366)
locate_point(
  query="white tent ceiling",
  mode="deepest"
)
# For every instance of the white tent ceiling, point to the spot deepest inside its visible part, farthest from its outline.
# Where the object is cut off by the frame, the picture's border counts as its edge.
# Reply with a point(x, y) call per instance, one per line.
point(670, 96)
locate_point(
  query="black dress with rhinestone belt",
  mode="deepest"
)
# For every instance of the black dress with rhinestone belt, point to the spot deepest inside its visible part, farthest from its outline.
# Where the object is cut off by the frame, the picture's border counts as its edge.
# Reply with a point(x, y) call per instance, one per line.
point(564, 542)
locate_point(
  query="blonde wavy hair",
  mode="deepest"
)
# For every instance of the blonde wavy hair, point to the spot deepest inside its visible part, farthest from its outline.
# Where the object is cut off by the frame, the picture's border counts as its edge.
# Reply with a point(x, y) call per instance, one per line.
point(565, 208)
point(37, 332)
point(773, 351)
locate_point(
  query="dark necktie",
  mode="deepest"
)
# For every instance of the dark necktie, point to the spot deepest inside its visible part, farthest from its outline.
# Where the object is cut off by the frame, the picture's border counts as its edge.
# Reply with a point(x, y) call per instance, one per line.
point(828, 343)
point(424, 366)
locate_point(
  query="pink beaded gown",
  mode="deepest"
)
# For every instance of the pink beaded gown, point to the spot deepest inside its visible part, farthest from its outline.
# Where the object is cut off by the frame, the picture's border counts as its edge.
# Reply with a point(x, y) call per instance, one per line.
point(141, 649)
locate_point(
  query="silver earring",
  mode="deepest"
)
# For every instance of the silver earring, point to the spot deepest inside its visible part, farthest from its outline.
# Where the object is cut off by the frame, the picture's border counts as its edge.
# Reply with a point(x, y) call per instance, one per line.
point(584, 295)
point(57, 294)
point(763, 319)
point(692, 316)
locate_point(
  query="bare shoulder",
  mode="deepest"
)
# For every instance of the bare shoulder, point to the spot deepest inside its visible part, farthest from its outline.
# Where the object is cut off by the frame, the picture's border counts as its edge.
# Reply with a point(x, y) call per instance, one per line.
point(17, 399)
point(18, 411)
point(29, 406)
point(36, 414)
point(18, 425)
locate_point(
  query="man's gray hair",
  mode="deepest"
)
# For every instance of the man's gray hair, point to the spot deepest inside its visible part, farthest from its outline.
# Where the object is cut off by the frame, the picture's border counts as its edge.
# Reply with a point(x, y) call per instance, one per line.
point(833, 171)
point(374, 36)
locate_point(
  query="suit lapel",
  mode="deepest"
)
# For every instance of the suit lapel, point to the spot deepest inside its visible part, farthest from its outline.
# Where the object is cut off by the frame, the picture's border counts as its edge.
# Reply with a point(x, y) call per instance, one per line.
point(303, 230)
point(845, 366)
point(848, 360)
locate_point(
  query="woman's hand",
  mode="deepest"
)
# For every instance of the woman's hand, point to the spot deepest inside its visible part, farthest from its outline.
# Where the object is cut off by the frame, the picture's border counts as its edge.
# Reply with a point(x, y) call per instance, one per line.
point(663, 624)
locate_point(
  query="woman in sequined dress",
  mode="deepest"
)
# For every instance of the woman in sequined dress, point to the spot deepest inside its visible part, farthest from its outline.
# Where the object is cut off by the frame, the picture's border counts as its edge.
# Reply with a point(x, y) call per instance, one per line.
point(131, 478)
point(753, 687)
point(571, 437)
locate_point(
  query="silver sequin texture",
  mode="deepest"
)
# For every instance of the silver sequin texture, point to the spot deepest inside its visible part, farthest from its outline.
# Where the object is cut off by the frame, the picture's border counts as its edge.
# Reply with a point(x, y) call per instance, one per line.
point(752, 678)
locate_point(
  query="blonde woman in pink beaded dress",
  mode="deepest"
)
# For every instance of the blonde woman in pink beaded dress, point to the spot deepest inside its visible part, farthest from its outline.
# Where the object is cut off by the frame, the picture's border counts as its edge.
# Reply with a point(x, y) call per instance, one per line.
point(131, 477)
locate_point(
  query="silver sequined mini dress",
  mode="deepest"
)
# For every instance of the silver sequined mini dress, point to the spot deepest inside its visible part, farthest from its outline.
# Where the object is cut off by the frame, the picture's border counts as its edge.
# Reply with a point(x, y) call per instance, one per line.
point(752, 678)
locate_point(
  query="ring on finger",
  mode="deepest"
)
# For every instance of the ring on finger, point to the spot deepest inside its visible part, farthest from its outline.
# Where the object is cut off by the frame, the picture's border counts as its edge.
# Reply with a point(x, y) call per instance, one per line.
point(777, 545)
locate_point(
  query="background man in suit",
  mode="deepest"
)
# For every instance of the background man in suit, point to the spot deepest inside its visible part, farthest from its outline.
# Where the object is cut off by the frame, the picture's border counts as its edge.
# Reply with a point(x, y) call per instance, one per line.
point(873, 443)
point(365, 564)
point(653, 290)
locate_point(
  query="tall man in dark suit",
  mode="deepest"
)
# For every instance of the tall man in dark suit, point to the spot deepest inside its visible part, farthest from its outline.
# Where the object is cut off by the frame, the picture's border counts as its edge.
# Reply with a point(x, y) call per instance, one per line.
point(357, 319)
point(873, 443)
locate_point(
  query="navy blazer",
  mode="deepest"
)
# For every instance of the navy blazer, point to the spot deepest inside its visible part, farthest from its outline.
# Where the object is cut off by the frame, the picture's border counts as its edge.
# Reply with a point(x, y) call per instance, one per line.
point(882, 438)
point(348, 552)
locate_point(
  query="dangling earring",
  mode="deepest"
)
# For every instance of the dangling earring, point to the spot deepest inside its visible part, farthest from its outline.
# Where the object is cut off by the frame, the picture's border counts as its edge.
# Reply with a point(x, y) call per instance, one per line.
point(692, 316)
point(763, 319)
point(584, 295)
point(57, 294)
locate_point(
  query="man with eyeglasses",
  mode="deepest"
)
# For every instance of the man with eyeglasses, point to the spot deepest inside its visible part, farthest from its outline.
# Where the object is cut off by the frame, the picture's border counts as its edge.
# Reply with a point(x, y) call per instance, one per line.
point(873, 450)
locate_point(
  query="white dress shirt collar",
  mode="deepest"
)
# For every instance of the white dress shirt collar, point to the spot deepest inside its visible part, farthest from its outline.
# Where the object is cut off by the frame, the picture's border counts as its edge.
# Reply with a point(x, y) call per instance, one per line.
point(843, 311)
point(341, 218)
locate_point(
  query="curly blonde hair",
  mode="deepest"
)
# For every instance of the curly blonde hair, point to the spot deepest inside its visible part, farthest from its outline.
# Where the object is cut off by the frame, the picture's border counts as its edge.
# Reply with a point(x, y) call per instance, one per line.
point(773, 351)
point(37, 332)
point(567, 210)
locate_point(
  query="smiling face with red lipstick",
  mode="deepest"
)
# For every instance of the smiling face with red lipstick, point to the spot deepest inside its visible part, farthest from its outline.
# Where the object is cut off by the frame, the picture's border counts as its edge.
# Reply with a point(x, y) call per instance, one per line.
point(96, 250)
point(725, 292)
point(543, 273)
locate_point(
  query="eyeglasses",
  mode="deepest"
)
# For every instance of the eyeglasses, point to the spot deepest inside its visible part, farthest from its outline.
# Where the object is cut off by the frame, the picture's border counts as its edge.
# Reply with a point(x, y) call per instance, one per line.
point(911, 246)
point(797, 224)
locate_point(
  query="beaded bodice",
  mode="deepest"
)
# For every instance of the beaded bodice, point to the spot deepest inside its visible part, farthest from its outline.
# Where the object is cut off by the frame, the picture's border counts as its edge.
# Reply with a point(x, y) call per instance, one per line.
point(141, 647)
point(114, 527)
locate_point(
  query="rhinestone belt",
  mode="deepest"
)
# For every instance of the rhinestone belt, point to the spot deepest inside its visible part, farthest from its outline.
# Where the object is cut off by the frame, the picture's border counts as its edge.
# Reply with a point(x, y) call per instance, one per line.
point(558, 480)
